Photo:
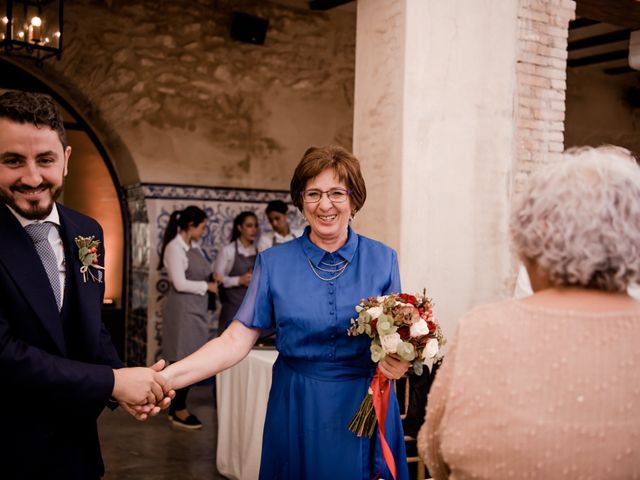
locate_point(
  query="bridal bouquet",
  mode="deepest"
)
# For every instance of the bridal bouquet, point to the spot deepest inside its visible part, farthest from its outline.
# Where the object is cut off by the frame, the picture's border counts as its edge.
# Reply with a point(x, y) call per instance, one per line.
point(398, 324)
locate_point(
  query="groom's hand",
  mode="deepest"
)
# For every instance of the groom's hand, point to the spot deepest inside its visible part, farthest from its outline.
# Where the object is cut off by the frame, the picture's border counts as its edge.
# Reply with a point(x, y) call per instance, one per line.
point(139, 385)
point(142, 412)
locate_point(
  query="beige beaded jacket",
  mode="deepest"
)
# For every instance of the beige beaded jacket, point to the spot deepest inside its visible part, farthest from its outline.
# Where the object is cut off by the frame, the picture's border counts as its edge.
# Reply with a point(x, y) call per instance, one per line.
point(528, 392)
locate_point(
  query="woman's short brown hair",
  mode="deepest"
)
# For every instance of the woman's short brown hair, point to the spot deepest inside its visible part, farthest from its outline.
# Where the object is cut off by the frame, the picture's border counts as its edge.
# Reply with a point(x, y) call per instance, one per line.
point(317, 159)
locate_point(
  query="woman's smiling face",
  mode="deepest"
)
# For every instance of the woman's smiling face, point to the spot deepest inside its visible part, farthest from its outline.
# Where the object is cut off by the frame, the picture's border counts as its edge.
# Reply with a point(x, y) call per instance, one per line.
point(329, 221)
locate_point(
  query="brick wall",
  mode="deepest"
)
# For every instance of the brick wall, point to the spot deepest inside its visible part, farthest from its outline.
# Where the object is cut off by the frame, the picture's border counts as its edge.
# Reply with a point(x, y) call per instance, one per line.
point(543, 28)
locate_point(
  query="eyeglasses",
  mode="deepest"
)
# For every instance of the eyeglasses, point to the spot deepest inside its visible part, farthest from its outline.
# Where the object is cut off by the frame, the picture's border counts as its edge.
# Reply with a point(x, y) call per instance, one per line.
point(335, 195)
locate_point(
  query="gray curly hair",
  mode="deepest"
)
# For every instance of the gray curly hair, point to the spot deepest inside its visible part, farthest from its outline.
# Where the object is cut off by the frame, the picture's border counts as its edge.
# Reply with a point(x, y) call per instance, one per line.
point(579, 219)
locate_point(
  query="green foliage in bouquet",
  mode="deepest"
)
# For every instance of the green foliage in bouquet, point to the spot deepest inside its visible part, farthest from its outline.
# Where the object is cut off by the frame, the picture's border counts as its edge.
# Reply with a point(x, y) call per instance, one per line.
point(401, 325)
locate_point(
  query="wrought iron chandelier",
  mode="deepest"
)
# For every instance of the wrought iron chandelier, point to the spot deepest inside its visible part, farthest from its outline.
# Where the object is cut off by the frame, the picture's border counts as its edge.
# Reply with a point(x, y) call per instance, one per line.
point(31, 28)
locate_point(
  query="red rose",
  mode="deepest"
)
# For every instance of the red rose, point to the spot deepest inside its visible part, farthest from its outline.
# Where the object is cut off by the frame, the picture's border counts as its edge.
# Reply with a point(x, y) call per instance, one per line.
point(406, 298)
point(404, 332)
point(432, 326)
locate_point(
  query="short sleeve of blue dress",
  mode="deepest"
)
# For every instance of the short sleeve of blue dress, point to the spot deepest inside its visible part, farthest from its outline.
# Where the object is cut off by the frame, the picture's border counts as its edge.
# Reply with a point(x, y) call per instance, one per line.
point(321, 374)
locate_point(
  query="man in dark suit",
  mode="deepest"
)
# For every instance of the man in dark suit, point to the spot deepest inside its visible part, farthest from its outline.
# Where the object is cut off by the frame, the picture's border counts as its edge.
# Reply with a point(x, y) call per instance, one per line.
point(58, 367)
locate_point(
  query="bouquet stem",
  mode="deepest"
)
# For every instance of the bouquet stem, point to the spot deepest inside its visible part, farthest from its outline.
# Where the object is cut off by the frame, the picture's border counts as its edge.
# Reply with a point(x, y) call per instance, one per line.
point(363, 423)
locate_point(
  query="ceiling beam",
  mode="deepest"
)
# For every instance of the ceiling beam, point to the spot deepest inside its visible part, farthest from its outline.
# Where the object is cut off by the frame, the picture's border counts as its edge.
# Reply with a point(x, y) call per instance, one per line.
point(601, 58)
point(611, 37)
point(581, 23)
point(326, 4)
point(619, 70)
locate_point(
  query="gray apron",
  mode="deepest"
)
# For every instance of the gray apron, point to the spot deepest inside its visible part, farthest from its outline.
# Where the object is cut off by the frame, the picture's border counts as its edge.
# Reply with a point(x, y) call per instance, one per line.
point(232, 297)
point(184, 315)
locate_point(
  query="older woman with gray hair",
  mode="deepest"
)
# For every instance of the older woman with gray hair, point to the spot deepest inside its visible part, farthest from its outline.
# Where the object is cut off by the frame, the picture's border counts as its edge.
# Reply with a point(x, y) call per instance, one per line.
point(549, 386)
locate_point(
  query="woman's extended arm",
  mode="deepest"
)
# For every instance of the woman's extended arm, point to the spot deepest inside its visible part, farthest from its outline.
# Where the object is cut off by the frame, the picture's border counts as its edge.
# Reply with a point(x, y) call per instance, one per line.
point(213, 357)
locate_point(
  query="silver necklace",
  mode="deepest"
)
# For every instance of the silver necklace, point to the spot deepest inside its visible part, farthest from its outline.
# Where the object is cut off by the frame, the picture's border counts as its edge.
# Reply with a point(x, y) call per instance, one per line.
point(336, 266)
point(338, 271)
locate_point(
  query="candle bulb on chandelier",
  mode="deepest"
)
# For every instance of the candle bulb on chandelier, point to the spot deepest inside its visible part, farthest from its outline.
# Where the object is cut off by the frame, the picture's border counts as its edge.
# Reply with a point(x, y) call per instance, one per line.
point(35, 30)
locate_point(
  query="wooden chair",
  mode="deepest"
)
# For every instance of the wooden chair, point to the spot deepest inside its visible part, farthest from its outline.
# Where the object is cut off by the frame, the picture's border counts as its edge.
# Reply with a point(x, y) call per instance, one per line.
point(402, 392)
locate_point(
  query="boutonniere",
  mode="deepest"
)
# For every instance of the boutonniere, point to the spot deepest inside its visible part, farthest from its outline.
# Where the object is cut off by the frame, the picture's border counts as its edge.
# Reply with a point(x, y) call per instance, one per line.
point(88, 253)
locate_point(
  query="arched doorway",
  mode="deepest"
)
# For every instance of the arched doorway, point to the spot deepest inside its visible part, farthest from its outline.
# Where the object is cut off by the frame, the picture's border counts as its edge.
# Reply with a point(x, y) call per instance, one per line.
point(92, 188)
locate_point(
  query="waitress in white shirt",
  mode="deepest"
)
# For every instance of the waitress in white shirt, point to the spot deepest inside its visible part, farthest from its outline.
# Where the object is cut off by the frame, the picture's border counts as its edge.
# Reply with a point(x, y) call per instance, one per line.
point(184, 313)
point(277, 215)
point(234, 266)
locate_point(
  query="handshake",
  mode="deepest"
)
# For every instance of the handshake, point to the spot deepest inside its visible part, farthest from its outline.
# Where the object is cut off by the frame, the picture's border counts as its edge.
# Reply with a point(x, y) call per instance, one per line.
point(142, 391)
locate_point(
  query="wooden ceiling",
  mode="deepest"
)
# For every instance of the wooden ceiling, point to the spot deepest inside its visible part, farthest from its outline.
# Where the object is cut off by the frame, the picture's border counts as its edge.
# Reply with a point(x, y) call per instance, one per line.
point(599, 37)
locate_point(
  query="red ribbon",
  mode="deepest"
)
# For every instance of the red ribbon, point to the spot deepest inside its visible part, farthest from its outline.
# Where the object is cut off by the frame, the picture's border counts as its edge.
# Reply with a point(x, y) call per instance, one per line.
point(380, 386)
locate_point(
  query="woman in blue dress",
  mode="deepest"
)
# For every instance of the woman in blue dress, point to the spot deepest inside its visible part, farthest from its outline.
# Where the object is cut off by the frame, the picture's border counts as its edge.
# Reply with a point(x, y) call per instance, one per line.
point(307, 289)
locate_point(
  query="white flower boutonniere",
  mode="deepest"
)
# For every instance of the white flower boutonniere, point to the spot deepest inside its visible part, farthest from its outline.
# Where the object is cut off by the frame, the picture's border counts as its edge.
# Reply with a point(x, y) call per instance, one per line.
point(88, 252)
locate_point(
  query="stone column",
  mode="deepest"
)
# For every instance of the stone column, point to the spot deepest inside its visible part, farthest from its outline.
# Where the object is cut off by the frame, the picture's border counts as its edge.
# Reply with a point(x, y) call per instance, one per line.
point(434, 126)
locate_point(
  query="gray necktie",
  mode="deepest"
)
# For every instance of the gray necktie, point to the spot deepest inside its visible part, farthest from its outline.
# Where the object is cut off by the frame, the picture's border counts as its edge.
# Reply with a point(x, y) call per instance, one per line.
point(39, 233)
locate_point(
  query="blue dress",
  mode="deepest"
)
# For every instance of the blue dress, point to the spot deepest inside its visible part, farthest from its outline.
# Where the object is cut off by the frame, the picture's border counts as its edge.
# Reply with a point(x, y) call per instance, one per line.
point(321, 374)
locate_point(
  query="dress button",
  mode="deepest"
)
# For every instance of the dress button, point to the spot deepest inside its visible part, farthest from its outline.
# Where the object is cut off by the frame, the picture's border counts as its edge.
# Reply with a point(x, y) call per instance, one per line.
point(331, 312)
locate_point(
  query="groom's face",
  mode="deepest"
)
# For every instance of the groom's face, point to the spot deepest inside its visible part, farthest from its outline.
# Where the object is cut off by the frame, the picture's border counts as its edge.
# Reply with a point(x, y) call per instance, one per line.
point(33, 165)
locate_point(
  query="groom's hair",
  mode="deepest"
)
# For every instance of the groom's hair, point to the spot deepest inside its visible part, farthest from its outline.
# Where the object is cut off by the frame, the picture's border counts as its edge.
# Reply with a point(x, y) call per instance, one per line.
point(36, 108)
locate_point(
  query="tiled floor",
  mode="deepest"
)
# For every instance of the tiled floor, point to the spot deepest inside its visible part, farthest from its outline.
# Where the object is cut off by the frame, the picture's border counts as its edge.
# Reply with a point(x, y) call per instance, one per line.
point(154, 450)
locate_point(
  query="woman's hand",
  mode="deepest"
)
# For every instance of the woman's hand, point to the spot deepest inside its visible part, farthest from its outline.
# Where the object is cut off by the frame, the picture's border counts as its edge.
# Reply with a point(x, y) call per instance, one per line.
point(393, 368)
point(212, 287)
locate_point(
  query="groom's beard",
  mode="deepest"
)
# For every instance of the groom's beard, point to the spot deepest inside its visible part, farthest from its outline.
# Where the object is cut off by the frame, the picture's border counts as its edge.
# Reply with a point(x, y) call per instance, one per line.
point(36, 209)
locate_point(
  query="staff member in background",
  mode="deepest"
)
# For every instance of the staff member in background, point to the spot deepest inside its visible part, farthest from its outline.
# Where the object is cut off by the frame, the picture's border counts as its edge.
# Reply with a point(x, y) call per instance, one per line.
point(277, 215)
point(234, 266)
point(184, 313)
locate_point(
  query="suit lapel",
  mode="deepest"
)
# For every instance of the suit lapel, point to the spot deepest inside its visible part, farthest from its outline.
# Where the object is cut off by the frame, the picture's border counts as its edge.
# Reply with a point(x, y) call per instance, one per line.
point(89, 292)
point(19, 255)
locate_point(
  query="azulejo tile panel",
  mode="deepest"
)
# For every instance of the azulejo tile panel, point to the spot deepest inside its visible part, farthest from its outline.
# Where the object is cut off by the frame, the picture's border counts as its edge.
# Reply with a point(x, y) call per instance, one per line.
point(150, 206)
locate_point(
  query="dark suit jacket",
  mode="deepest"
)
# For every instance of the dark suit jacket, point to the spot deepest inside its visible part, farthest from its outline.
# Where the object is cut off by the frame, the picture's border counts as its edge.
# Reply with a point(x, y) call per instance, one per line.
point(51, 392)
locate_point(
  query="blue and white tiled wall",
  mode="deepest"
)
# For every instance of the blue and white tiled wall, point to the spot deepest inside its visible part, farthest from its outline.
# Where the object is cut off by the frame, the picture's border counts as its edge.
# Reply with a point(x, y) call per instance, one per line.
point(150, 206)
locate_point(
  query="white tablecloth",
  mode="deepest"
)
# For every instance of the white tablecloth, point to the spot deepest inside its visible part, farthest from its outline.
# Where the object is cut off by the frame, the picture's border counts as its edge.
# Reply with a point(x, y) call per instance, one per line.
point(242, 394)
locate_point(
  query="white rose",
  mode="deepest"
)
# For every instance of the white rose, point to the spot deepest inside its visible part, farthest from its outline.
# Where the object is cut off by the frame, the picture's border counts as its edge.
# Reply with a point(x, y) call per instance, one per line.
point(419, 328)
point(359, 308)
point(381, 299)
point(375, 312)
point(390, 342)
point(430, 349)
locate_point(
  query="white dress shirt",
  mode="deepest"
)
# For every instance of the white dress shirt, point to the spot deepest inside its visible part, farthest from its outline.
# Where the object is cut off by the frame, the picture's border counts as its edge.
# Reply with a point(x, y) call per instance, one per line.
point(54, 240)
point(176, 264)
point(224, 261)
point(269, 239)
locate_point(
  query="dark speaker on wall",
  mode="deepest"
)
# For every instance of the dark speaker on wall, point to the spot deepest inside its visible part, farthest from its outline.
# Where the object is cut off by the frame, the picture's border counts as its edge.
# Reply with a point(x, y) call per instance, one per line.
point(249, 28)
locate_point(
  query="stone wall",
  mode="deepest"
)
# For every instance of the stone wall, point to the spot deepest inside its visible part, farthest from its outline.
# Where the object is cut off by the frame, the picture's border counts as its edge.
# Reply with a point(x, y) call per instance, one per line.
point(175, 98)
